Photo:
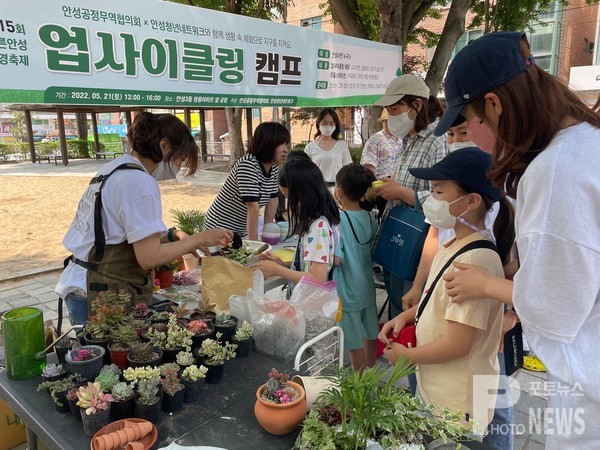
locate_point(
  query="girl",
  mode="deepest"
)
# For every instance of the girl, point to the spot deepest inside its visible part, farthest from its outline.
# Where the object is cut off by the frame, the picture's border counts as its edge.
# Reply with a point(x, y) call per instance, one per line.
point(544, 142)
point(454, 343)
point(353, 274)
point(251, 184)
point(328, 150)
point(412, 116)
point(118, 234)
point(313, 215)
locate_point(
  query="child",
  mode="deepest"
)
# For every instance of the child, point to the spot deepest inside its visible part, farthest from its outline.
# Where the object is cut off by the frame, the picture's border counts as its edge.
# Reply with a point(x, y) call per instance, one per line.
point(353, 273)
point(455, 342)
point(313, 215)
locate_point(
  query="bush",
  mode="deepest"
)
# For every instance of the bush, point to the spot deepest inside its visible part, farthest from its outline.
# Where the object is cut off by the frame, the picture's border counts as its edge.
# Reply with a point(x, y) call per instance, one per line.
point(298, 147)
point(47, 148)
point(80, 149)
point(356, 154)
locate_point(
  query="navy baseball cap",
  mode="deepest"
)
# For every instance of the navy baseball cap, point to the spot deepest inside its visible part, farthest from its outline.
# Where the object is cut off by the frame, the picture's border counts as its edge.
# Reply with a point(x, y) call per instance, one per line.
point(482, 65)
point(468, 166)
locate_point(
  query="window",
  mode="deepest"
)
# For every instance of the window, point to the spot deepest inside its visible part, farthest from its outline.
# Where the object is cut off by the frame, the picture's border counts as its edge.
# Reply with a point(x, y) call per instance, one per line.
point(468, 36)
point(313, 22)
point(256, 113)
point(542, 40)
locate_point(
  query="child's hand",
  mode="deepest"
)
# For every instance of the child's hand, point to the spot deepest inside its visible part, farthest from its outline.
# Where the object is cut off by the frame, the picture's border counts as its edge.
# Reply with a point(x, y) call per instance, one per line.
point(395, 325)
point(270, 256)
point(268, 268)
point(411, 298)
point(394, 351)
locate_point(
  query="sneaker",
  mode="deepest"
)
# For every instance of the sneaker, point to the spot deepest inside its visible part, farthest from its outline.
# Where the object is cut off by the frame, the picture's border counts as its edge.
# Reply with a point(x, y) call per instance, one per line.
point(533, 363)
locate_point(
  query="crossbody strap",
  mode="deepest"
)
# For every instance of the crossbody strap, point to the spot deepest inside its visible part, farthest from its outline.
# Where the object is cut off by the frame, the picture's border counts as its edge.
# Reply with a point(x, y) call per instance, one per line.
point(354, 231)
point(466, 248)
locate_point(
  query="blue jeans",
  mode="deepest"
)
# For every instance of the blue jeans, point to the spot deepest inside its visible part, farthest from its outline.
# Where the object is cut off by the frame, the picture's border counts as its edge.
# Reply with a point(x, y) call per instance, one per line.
point(500, 429)
point(78, 309)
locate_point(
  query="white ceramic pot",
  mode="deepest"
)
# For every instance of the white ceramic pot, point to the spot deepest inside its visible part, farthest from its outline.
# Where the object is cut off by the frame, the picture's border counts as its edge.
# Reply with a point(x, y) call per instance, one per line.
point(313, 386)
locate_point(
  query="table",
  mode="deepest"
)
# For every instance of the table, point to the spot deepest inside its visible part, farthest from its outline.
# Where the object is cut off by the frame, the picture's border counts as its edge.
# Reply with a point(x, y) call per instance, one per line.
point(223, 416)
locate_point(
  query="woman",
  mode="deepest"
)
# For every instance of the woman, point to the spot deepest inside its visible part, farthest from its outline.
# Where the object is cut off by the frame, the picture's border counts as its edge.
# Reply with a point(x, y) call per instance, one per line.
point(117, 234)
point(328, 150)
point(544, 143)
point(252, 184)
point(412, 116)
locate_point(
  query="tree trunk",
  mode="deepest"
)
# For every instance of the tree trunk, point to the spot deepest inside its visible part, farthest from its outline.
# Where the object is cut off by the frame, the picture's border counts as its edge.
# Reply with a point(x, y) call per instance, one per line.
point(346, 13)
point(453, 30)
point(234, 125)
point(82, 126)
point(374, 113)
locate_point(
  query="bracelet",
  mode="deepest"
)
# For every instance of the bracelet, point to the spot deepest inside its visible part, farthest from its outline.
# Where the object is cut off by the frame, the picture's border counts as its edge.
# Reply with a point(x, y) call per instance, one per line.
point(170, 234)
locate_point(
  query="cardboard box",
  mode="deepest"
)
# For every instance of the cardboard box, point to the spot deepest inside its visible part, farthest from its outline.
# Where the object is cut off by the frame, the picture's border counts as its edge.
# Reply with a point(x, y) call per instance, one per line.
point(12, 429)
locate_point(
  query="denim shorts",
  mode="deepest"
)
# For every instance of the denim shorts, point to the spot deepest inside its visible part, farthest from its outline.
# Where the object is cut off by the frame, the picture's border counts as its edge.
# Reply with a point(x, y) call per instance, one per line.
point(78, 309)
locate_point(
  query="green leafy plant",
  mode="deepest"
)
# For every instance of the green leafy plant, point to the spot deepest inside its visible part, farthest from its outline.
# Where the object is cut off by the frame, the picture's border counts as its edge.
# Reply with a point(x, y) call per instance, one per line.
point(109, 313)
point(54, 387)
point(143, 352)
point(185, 358)
point(216, 353)
point(204, 309)
point(141, 373)
point(175, 337)
point(123, 338)
point(224, 320)
point(362, 406)
point(122, 391)
point(159, 315)
point(244, 332)
point(93, 399)
point(189, 221)
point(194, 373)
point(107, 380)
point(170, 384)
point(169, 266)
point(181, 311)
point(147, 391)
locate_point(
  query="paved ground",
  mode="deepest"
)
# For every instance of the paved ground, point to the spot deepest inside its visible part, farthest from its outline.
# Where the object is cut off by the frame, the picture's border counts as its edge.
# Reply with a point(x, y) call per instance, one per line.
point(37, 290)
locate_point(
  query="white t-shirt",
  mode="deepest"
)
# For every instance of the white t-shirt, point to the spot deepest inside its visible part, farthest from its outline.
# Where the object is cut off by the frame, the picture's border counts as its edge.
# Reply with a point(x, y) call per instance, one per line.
point(329, 161)
point(557, 288)
point(131, 211)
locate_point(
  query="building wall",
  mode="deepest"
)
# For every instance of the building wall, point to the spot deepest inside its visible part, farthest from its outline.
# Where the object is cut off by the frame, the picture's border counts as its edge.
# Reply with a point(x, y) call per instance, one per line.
point(578, 33)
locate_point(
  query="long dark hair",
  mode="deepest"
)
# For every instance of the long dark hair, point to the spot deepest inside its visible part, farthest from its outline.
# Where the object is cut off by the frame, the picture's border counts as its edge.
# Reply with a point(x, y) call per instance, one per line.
point(149, 129)
point(504, 225)
point(431, 109)
point(265, 140)
point(331, 112)
point(535, 106)
point(308, 195)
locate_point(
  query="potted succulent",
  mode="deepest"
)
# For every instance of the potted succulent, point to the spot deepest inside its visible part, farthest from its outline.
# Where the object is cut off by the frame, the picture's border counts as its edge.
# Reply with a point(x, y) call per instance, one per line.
point(122, 341)
point(123, 404)
point(95, 405)
point(155, 326)
point(172, 341)
point(185, 359)
point(141, 311)
point(202, 330)
point(54, 372)
point(72, 400)
point(243, 339)
point(214, 356)
point(164, 274)
point(107, 380)
point(159, 317)
point(280, 404)
point(368, 407)
point(204, 311)
point(181, 313)
point(226, 325)
point(148, 400)
point(143, 354)
point(140, 325)
point(174, 390)
point(58, 390)
point(141, 373)
point(193, 377)
point(86, 360)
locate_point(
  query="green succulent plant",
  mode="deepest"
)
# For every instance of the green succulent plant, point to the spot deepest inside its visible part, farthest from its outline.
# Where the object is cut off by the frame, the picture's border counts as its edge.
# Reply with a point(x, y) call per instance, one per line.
point(194, 373)
point(148, 391)
point(122, 391)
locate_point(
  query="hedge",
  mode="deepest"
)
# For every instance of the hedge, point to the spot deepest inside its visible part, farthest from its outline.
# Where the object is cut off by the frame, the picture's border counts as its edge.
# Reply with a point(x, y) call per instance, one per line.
point(75, 148)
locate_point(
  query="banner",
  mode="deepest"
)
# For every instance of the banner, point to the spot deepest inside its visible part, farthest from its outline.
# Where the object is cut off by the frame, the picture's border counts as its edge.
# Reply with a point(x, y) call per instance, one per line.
point(160, 54)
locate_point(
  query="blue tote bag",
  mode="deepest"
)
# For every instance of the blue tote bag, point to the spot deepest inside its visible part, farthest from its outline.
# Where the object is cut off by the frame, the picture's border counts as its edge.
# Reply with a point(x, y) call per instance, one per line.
point(401, 240)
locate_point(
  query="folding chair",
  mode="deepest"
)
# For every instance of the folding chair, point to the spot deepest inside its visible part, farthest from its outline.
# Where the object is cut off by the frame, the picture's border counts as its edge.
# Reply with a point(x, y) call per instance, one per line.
point(321, 351)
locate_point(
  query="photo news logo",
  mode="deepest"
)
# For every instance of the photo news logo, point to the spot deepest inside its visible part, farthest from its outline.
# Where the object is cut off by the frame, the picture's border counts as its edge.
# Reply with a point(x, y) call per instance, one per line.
point(540, 420)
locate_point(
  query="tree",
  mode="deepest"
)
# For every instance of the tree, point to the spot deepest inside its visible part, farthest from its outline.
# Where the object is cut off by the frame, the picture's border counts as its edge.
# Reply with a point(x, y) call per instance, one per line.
point(498, 15)
point(82, 126)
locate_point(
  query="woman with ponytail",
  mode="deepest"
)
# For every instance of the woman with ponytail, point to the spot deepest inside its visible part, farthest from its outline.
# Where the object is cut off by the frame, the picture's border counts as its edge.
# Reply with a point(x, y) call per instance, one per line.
point(117, 235)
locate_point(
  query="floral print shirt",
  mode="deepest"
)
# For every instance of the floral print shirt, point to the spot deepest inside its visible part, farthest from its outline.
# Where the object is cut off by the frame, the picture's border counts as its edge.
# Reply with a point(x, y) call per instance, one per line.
point(380, 152)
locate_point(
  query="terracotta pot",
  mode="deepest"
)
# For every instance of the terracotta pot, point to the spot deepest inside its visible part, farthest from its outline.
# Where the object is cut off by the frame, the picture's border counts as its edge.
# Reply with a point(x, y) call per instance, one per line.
point(119, 357)
point(280, 419)
point(165, 277)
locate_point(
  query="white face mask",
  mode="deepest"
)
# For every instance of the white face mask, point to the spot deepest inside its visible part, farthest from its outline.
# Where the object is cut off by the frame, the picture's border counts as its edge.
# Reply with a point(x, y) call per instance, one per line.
point(438, 214)
point(457, 145)
point(327, 130)
point(165, 171)
point(400, 125)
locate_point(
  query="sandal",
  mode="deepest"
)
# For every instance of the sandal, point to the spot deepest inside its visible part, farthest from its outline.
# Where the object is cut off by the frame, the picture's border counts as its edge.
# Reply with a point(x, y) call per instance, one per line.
point(533, 363)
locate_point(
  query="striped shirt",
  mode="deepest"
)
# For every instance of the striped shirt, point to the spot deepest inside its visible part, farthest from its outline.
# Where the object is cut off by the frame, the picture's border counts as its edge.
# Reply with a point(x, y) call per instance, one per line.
point(247, 182)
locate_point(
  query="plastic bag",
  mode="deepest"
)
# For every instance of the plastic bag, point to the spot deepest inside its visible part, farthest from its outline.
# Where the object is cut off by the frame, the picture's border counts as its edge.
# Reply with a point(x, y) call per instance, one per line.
point(279, 327)
point(318, 302)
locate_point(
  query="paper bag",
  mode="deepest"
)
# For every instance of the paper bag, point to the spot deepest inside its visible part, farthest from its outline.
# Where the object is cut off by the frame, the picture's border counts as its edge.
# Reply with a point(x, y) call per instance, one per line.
point(222, 278)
